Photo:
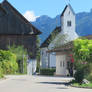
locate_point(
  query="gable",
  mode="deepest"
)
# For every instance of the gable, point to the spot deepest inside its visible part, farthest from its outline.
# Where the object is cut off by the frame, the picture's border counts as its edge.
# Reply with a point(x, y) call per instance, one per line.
point(2, 12)
point(51, 37)
point(68, 6)
point(14, 23)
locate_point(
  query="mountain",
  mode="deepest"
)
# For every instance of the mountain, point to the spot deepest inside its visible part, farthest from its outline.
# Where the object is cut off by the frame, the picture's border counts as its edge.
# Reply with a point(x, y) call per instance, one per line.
point(84, 23)
point(46, 24)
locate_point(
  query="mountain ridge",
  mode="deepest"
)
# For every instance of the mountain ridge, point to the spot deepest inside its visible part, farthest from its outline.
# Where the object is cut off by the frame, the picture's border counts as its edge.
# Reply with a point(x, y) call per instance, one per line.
point(47, 24)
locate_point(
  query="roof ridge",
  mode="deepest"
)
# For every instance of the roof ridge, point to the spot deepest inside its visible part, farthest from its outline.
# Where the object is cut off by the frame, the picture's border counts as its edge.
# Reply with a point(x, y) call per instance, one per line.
point(68, 5)
point(49, 36)
point(20, 15)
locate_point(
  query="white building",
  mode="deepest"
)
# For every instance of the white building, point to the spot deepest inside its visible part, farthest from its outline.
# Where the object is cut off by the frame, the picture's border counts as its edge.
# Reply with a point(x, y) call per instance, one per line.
point(59, 59)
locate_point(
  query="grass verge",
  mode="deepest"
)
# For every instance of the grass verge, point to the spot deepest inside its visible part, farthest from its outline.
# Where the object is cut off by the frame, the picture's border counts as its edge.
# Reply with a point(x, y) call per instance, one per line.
point(82, 85)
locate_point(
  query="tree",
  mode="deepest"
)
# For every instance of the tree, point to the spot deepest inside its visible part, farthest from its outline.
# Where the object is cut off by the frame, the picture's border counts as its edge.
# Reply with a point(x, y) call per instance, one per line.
point(83, 58)
point(8, 62)
point(21, 55)
point(83, 50)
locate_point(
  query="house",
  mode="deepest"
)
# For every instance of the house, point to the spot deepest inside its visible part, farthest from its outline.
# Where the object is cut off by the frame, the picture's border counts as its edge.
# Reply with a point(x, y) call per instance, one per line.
point(15, 29)
point(65, 35)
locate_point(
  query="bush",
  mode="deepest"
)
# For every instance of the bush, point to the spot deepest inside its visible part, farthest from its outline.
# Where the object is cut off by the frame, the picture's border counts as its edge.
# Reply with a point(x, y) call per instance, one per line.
point(79, 76)
point(89, 78)
point(1, 71)
point(89, 74)
point(8, 62)
point(21, 57)
point(47, 71)
point(82, 52)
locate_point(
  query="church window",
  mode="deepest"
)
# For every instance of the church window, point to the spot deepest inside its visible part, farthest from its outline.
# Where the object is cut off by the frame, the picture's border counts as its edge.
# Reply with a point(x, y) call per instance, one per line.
point(69, 23)
point(69, 12)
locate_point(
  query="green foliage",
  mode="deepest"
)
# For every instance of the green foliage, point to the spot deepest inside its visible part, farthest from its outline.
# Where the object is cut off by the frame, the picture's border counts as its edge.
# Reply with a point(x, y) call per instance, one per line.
point(21, 55)
point(83, 58)
point(5, 55)
point(25, 65)
point(38, 54)
point(47, 71)
point(8, 62)
point(1, 71)
point(82, 85)
point(83, 50)
point(79, 76)
point(19, 51)
point(89, 74)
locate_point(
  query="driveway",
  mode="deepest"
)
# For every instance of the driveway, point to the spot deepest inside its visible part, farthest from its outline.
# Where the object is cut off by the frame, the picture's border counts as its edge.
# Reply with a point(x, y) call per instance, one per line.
point(37, 84)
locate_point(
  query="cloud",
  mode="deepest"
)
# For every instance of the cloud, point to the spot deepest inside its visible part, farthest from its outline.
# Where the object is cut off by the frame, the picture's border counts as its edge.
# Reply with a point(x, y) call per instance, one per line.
point(30, 16)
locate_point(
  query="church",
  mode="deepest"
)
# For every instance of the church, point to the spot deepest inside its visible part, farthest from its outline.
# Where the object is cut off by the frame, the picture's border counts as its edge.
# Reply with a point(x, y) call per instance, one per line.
point(56, 49)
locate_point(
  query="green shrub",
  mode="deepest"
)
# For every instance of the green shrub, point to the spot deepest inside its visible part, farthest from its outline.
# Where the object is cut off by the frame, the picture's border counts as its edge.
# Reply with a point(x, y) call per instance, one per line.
point(89, 77)
point(8, 60)
point(89, 74)
point(1, 71)
point(21, 57)
point(82, 53)
point(79, 76)
point(47, 71)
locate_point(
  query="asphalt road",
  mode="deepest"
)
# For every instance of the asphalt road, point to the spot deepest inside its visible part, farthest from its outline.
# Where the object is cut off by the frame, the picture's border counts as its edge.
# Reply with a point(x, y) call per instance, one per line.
point(37, 84)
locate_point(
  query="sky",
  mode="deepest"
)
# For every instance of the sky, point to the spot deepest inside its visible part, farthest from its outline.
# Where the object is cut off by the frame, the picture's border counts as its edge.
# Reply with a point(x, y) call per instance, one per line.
point(33, 9)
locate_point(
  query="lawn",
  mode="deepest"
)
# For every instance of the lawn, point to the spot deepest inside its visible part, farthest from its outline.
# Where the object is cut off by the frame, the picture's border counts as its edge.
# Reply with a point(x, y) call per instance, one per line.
point(82, 85)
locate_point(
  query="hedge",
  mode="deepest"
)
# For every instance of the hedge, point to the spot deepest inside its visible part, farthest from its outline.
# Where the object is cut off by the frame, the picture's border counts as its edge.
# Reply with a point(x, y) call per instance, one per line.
point(48, 71)
point(1, 71)
point(8, 64)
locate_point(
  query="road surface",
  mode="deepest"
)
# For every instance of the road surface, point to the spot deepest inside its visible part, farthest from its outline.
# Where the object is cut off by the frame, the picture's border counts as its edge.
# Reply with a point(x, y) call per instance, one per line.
point(25, 83)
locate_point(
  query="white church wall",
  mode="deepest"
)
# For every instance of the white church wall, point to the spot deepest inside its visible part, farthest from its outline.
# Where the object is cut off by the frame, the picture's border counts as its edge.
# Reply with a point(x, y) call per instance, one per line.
point(44, 58)
point(66, 29)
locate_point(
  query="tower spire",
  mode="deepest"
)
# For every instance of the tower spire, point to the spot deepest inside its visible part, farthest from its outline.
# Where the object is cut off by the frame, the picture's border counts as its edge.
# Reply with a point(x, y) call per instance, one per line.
point(67, 1)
